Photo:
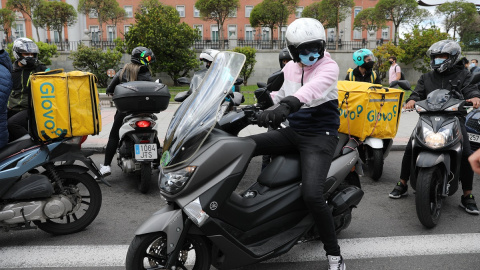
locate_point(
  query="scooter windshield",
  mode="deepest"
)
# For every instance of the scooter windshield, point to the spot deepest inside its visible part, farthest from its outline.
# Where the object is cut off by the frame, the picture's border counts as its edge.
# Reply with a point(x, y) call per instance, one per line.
point(438, 98)
point(198, 114)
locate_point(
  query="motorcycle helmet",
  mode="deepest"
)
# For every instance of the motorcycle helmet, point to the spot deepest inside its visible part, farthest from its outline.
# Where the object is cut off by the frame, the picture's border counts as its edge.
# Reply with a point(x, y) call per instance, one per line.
point(207, 56)
point(142, 56)
point(305, 34)
point(25, 45)
point(359, 56)
point(284, 55)
point(449, 47)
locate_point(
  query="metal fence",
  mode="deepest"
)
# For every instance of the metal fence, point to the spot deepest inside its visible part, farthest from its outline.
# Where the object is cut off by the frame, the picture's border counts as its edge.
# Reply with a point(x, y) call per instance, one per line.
point(274, 44)
point(209, 44)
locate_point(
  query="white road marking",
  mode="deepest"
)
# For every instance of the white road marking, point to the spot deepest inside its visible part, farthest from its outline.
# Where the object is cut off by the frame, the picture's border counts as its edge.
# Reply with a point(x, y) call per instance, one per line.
point(357, 248)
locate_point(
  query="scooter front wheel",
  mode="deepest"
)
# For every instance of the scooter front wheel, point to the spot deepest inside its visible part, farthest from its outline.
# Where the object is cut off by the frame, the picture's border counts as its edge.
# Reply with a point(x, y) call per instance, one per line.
point(374, 162)
point(429, 199)
point(149, 251)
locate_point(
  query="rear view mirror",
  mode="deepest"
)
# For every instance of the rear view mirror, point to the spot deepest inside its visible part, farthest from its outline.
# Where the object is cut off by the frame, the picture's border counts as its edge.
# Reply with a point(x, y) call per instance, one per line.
point(183, 81)
point(404, 84)
point(239, 81)
point(263, 98)
point(180, 97)
point(275, 81)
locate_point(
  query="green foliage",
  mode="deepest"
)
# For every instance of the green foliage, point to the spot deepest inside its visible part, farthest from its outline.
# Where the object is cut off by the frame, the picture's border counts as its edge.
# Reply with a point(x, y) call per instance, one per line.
point(158, 27)
point(46, 52)
point(382, 53)
point(250, 61)
point(416, 43)
point(120, 45)
point(456, 14)
point(7, 21)
point(27, 7)
point(397, 11)
point(96, 61)
point(55, 16)
point(470, 33)
point(272, 13)
point(369, 19)
point(217, 11)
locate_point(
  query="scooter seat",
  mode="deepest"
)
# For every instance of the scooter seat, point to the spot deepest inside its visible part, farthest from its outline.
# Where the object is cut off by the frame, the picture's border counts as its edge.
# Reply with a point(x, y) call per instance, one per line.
point(15, 146)
point(282, 171)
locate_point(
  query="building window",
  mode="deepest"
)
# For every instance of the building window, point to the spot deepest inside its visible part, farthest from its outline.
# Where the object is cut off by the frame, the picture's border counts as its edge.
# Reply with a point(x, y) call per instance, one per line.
point(356, 11)
point(214, 32)
point(56, 36)
point(357, 34)
point(298, 12)
point(386, 33)
point(129, 11)
point(19, 30)
point(181, 11)
point(248, 10)
point(110, 33)
point(196, 12)
point(232, 31)
point(249, 32)
point(265, 33)
point(94, 32)
point(200, 29)
point(282, 33)
point(233, 14)
point(93, 14)
point(126, 29)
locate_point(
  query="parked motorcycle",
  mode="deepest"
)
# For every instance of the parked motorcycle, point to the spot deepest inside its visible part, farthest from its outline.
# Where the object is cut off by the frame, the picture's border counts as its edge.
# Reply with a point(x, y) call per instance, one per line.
point(39, 184)
point(139, 148)
point(205, 222)
point(473, 122)
point(437, 151)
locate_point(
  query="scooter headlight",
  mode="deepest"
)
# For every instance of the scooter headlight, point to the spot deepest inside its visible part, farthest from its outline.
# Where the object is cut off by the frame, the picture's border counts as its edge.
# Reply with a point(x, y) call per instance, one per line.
point(173, 182)
point(195, 212)
point(438, 139)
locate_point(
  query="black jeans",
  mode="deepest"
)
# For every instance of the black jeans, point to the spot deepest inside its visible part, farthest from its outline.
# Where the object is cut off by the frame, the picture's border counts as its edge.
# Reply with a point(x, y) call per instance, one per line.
point(316, 153)
point(17, 124)
point(113, 138)
point(466, 172)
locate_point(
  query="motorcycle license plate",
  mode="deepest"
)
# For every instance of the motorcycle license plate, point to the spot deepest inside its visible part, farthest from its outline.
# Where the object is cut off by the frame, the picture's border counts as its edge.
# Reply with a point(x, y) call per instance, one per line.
point(146, 151)
point(474, 137)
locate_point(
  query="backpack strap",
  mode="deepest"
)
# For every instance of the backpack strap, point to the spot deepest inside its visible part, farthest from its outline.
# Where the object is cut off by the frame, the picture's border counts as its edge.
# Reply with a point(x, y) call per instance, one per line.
point(373, 76)
point(351, 77)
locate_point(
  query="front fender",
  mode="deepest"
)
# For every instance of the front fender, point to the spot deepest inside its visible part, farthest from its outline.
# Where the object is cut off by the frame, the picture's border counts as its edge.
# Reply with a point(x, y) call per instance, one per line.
point(167, 220)
point(375, 143)
point(430, 159)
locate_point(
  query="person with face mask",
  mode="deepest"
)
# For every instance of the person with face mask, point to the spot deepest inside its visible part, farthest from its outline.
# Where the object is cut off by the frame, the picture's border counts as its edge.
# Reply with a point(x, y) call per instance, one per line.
point(364, 72)
point(308, 98)
point(446, 67)
point(26, 63)
point(474, 66)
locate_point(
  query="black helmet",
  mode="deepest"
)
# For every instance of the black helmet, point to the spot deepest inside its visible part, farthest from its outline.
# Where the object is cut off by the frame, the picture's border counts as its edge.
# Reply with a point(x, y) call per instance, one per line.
point(24, 45)
point(449, 47)
point(142, 56)
point(284, 55)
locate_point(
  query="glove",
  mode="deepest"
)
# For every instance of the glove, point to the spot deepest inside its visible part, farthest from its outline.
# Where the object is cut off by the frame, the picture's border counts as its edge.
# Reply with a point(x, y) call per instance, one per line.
point(278, 113)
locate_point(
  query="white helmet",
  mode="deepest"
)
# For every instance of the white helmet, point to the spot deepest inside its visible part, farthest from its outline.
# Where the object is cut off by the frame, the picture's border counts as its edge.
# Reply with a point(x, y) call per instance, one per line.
point(208, 55)
point(305, 32)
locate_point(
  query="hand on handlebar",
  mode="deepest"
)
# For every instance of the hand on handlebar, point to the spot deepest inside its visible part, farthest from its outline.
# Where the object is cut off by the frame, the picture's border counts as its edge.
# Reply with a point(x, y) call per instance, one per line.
point(410, 105)
point(475, 102)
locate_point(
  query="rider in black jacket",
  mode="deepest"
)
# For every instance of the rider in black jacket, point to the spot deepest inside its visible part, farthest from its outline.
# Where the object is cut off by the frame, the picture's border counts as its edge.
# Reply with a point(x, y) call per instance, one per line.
point(137, 70)
point(447, 70)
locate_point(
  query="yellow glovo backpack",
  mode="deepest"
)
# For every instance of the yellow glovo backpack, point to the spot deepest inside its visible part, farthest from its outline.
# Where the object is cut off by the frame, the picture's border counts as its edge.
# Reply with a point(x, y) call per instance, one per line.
point(64, 105)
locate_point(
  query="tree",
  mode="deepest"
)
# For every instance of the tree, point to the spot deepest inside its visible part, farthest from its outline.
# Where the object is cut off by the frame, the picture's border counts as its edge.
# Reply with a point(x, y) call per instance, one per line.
point(117, 15)
point(330, 13)
point(397, 11)
point(470, 33)
point(7, 21)
point(369, 20)
point(158, 27)
point(272, 13)
point(456, 14)
point(382, 53)
point(96, 61)
point(250, 61)
point(217, 11)
point(27, 7)
point(55, 16)
point(45, 52)
point(103, 8)
point(416, 43)
point(420, 16)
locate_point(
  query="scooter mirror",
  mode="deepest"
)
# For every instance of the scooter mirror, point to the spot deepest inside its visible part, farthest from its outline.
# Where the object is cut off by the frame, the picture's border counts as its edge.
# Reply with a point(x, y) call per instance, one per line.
point(404, 84)
point(180, 97)
point(475, 79)
point(238, 98)
point(183, 81)
point(238, 81)
point(393, 84)
point(263, 98)
point(261, 84)
point(275, 81)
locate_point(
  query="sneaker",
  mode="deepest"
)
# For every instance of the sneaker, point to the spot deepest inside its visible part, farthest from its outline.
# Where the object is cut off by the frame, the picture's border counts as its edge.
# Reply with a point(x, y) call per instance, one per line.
point(105, 170)
point(399, 191)
point(468, 203)
point(336, 263)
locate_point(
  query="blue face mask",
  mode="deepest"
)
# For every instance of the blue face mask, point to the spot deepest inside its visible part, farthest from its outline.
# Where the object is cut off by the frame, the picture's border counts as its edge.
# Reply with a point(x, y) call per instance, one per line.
point(438, 61)
point(472, 65)
point(305, 59)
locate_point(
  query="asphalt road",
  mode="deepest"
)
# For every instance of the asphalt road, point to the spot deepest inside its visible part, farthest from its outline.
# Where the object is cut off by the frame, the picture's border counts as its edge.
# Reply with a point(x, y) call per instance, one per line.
point(384, 233)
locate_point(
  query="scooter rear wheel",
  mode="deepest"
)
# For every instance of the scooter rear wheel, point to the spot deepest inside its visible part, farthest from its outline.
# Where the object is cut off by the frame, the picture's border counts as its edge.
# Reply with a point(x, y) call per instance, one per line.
point(374, 162)
point(428, 199)
point(149, 251)
point(91, 201)
point(145, 177)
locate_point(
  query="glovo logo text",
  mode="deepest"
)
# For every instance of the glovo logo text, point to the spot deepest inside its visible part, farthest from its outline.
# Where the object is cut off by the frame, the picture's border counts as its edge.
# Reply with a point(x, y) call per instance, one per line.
point(47, 97)
point(380, 116)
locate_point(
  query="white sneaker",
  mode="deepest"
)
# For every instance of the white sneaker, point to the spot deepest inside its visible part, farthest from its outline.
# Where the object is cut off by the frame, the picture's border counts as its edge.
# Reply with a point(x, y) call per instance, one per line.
point(105, 170)
point(336, 263)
